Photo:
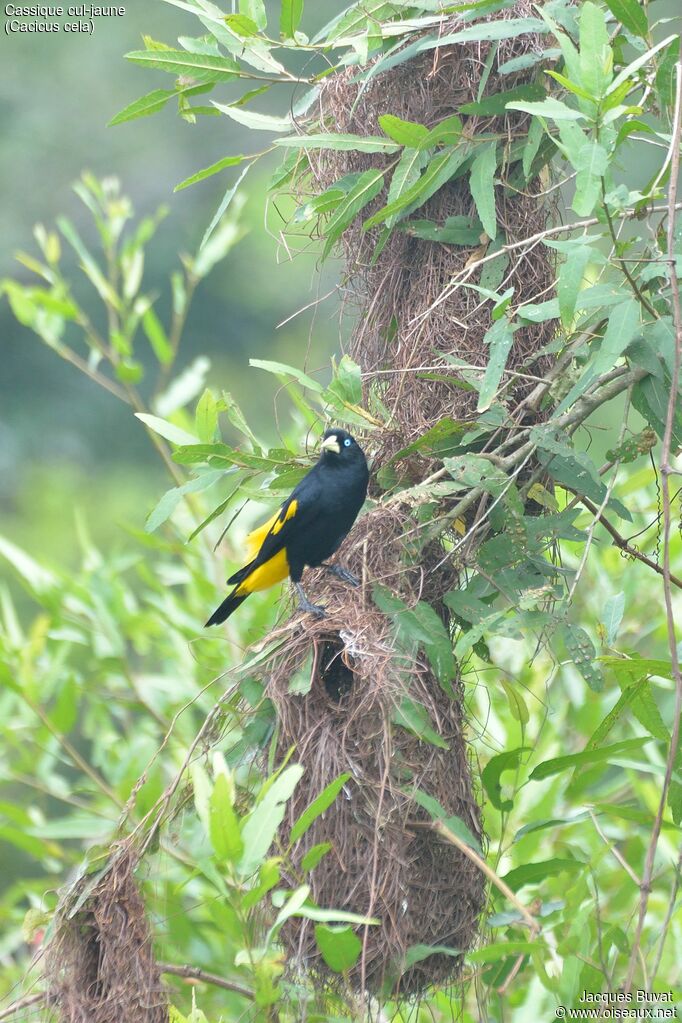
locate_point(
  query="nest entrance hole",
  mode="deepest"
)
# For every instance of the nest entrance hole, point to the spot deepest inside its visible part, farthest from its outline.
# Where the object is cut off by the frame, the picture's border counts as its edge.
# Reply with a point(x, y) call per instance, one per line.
point(334, 667)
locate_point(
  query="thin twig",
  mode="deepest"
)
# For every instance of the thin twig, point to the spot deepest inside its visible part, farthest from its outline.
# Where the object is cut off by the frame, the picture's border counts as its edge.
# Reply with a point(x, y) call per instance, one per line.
point(194, 973)
point(612, 848)
point(532, 240)
point(622, 544)
point(672, 902)
point(23, 1003)
point(665, 471)
point(623, 265)
point(533, 924)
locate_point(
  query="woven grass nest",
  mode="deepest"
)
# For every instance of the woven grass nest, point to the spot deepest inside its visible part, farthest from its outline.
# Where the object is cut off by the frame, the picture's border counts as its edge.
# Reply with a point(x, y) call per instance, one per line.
point(386, 859)
point(100, 966)
point(402, 319)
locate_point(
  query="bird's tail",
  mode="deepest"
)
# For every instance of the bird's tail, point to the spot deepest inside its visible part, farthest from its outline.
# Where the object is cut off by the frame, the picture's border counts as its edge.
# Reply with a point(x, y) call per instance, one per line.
point(222, 613)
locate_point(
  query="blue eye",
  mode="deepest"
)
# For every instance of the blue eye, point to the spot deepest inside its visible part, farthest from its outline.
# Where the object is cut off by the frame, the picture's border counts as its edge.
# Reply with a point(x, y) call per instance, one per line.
point(347, 442)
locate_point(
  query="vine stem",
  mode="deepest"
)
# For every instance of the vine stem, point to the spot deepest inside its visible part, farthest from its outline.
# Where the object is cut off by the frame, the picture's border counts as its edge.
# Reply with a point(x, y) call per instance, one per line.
point(666, 469)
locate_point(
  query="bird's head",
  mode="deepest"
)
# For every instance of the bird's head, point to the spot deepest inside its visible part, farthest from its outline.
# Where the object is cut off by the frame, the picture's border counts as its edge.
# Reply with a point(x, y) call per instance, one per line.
point(338, 448)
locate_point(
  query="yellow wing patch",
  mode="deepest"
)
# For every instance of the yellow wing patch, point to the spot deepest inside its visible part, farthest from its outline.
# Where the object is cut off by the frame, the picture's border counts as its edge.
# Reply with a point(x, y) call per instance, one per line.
point(266, 575)
point(255, 539)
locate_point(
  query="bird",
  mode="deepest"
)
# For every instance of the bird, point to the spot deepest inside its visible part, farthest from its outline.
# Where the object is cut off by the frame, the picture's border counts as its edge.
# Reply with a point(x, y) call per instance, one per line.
point(307, 529)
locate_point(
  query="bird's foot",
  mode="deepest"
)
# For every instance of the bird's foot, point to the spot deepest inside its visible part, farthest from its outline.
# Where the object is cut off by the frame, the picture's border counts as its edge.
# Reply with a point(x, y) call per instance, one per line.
point(343, 574)
point(305, 605)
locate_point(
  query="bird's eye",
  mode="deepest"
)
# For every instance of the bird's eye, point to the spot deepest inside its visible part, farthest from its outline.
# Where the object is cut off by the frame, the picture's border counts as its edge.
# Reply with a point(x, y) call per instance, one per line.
point(347, 442)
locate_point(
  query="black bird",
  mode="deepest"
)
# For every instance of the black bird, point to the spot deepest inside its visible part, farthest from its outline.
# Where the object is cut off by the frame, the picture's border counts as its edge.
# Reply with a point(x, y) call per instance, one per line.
point(307, 529)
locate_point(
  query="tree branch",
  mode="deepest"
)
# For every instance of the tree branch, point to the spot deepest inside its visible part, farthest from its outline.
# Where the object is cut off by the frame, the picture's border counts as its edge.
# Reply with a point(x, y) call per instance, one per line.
point(194, 973)
point(622, 544)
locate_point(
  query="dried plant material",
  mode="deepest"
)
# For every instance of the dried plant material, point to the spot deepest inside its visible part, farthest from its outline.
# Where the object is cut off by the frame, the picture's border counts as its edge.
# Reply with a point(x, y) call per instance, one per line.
point(100, 966)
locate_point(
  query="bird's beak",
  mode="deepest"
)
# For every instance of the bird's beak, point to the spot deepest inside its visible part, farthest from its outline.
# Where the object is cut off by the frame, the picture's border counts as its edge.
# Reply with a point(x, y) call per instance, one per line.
point(331, 444)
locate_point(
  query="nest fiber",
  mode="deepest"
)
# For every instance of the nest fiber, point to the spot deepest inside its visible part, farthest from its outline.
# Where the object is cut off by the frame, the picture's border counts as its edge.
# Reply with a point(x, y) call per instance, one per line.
point(414, 313)
point(410, 317)
point(100, 966)
point(386, 860)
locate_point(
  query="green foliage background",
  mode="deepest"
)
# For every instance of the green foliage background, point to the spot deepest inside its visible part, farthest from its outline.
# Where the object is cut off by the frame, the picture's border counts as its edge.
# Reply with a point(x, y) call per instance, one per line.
point(107, 677)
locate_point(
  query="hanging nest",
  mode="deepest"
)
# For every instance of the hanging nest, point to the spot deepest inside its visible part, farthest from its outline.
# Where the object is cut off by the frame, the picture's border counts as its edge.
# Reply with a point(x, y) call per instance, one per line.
point(386, 860)
point(408, 316)
point(100, 966)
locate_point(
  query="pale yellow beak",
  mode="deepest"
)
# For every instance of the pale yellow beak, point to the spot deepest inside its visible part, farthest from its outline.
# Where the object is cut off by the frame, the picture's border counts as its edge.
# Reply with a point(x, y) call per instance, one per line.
point(331, 444)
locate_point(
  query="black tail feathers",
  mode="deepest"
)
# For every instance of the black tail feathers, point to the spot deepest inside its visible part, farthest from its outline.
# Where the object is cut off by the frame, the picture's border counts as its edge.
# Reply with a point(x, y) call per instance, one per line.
point(222, 613)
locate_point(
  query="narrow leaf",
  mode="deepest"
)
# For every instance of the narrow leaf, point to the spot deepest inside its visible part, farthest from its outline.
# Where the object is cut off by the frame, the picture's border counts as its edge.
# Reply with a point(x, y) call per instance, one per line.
point(482, 183)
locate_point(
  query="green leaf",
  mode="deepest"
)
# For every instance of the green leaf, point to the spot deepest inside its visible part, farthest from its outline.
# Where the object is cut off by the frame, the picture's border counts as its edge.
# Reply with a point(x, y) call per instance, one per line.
point(415, 719)
point(367, 188)
point(499, 338)
point(222, 208)
point(223, 823)
point(252, 119)
point(261, 825)
point(517, 705)
point(318, 806)
point(167, 430)
point(207, 172)
point(345, 390)
point(242, 25)
point(581, 651)
point(290, 17)
point(503, 950)
point(418, 953)
point(482, 184)
point(455, 230)
point(549, 107)
point(39, 579)
point(593, 756)
point(280, 369)
point(454, 824)
point(179, 62)
point(623, 324)
point(637, 63)
point(206, 417)
point(358, 143)
point(172, 498)
point(483, 31)
point(631, 15)
point(534, 873)
point(339, 946)
point(591, 163)
point(405, 133)
point(571, 276)
point(438, 171)
point(254, 9)
point(612, 616)
point(445, 133)
point(497, 102)
point(157, 337)
point(596, 58)
point(510, 760)
point(404, 176)
point(144, 106)
point(314, 855)
point(330, 916)
point(438, 647)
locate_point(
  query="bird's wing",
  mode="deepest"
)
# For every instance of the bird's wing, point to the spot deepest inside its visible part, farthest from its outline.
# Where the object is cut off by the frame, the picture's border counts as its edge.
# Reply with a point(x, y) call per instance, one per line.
point(267, 540)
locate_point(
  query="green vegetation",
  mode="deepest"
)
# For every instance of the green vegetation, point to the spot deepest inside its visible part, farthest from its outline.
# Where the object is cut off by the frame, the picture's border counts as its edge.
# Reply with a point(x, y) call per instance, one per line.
point(126, 727)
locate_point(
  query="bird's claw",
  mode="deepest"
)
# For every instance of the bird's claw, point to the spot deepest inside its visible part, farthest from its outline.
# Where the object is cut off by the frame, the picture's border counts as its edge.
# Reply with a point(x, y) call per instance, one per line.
point(306, 606)
point(343, 574)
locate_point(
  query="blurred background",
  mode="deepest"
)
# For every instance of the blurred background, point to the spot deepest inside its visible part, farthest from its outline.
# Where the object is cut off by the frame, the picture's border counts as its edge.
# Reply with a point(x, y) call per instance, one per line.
point(65, 443)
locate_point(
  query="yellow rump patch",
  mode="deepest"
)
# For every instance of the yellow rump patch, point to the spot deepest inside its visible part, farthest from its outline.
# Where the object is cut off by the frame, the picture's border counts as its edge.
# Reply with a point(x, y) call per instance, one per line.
point(266, 575)
point(255, 539)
